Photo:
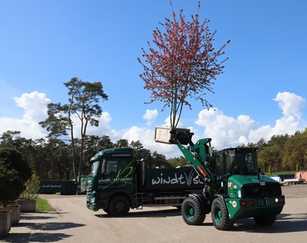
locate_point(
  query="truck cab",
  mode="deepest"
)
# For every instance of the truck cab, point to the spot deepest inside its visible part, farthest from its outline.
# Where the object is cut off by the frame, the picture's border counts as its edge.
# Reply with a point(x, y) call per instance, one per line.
point(112, 178)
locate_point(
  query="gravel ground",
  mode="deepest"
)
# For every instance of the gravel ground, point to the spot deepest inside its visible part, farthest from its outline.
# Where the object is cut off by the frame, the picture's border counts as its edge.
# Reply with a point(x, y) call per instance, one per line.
point(73, 222)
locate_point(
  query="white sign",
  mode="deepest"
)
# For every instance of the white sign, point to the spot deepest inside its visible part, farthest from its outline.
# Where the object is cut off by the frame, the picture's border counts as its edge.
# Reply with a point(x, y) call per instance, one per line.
point(162, 135)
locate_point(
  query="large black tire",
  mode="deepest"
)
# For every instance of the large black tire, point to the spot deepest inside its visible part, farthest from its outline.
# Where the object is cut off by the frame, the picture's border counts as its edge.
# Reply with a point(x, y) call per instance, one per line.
point(192, 211)
point(267, 220)
point(219, 214)
point(118, 206)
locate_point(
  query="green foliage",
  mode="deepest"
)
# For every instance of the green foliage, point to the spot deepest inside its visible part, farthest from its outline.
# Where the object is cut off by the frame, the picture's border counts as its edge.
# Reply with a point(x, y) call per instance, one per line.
point(84, 103)
point(121, 143)
point(56, 123)
point(14, 172)
point(51, 159)
point(174, 162)
point(283, 153)
point(31, 188)
point(43, 206)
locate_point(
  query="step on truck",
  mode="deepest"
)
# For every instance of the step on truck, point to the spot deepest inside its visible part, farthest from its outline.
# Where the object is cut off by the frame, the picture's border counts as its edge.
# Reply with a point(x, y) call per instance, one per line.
point(119, 182)
point(233, 188)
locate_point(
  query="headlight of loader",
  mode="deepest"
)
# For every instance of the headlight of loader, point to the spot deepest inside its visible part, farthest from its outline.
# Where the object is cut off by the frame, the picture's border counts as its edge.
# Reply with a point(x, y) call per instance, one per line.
point(239, 194)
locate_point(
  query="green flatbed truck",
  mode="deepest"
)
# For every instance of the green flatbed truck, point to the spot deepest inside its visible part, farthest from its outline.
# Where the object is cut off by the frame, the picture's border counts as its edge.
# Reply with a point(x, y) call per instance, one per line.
point(119, 182)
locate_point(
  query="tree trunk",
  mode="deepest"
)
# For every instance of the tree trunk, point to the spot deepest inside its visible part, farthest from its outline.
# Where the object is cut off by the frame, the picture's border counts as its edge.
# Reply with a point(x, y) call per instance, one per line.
point(72, 146)
point(81, 151)
point(83, 136)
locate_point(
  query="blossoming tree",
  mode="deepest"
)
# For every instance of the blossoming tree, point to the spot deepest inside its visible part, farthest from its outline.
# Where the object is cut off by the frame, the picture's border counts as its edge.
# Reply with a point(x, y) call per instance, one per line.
point(181, 62)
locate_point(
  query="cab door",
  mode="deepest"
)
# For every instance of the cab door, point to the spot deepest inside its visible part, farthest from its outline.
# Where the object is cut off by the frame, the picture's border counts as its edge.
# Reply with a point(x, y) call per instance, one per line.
point(117, 175)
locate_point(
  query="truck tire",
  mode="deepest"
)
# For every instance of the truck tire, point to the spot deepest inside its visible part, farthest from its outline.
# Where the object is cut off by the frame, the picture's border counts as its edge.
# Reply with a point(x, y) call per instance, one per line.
point(118, 206)
point(219, 214)
point(267, 220)
point(192, 211)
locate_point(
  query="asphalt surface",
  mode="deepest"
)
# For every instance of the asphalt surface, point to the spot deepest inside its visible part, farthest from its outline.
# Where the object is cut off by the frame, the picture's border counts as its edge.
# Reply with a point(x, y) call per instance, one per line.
point(73, 222)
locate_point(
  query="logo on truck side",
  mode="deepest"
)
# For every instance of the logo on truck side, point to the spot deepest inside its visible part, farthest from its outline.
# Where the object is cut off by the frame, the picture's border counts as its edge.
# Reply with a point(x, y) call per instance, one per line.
point(182, 178)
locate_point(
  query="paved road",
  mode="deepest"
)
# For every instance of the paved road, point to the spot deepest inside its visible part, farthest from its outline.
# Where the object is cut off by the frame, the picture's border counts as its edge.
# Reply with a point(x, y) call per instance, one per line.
point(73, 222)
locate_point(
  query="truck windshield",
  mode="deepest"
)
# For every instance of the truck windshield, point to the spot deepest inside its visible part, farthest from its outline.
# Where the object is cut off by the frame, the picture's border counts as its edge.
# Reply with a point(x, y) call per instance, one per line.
point(95, 166)
point(117, 168)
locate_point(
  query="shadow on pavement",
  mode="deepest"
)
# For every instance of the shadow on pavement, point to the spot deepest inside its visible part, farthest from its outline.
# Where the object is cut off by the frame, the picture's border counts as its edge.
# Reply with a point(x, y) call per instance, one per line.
point(34, 217)
point(206, 224)
point(50, 225)
point(282, 225)
point(294, 216)
point(35, 237)
point(149, 214)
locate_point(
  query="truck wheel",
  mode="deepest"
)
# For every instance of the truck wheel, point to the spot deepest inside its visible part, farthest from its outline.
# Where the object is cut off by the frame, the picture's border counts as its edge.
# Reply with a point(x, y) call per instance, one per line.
point(219, 214)
point(118, 206)
point(192, 211)
point(265, 220)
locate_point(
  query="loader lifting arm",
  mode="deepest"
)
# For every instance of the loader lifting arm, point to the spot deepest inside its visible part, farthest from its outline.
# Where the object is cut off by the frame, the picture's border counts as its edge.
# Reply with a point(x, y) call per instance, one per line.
point(197, 154)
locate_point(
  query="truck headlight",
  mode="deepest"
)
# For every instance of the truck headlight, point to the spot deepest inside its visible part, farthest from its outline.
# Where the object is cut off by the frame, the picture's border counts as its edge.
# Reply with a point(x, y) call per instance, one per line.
point(239, 194)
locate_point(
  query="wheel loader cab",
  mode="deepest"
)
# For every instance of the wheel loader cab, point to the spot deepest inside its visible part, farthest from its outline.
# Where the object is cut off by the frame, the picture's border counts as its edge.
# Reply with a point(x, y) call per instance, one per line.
point(235, 161)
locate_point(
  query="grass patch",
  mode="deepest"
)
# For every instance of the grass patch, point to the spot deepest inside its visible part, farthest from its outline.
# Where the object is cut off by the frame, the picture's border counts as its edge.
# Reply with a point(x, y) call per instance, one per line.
point(42, 205)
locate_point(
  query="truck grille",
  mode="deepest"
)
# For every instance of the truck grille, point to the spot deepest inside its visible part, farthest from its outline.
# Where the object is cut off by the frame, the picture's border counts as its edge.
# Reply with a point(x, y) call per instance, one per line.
point(256, 190)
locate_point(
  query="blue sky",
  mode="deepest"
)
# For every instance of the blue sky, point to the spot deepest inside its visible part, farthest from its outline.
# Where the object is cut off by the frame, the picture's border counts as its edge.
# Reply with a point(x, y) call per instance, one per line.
point(44, 43)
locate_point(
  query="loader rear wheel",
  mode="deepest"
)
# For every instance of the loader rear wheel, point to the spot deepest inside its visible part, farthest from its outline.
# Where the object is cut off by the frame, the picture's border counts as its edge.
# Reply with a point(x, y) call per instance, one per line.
point(219, 214)
point(118, 206)
point(265, 221)
point(192, 211)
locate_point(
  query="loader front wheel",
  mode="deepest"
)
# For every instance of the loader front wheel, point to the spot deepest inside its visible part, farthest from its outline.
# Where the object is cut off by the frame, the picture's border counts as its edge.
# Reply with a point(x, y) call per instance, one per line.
point(192, 211)
point(219, 214)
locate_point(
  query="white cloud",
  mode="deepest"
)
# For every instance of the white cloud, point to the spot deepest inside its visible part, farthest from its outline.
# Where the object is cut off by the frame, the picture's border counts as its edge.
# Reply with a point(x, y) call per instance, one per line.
point(150, 115)
point(227, 131)
point(167, 123)
point(290, 104)
point(146, 137)
point(103, 128)
point(34, 105)
point(224, 130)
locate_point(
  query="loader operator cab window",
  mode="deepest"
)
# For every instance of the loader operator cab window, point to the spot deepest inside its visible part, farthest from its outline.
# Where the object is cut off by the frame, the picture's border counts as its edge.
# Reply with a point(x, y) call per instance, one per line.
point(249, 161)
point(243, 162)
point(235, 161)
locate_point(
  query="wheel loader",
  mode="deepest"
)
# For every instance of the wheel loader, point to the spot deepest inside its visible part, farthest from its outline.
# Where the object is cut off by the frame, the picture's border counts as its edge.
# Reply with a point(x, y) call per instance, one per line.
point(234, 187)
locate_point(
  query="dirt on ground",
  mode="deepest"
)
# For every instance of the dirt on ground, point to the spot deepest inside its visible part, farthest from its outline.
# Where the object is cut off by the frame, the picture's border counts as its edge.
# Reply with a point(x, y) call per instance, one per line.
point(73, 222)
